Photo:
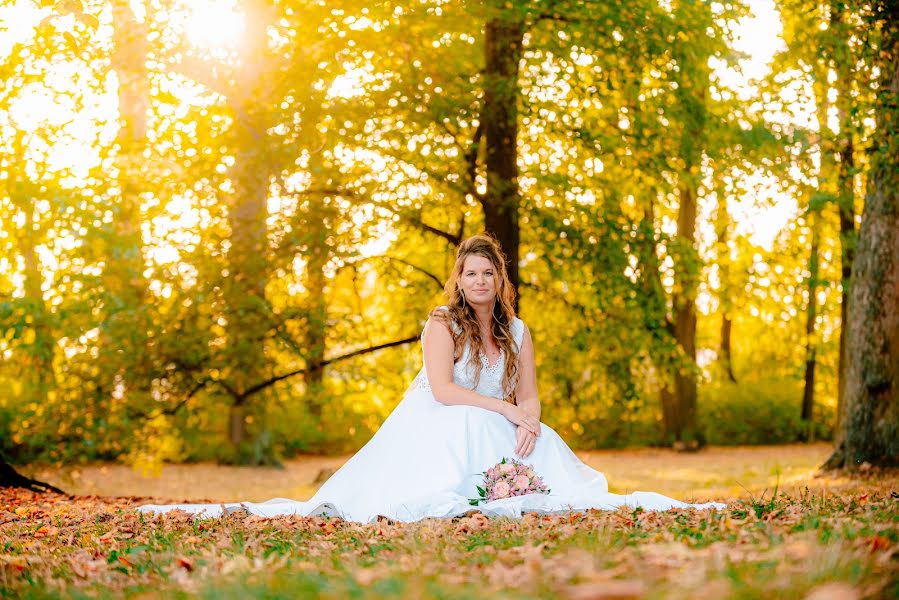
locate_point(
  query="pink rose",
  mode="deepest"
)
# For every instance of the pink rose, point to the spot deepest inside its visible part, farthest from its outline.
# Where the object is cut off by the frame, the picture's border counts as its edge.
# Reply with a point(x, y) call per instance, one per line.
point(501, 490)
point(521, 483)
point(507, 468)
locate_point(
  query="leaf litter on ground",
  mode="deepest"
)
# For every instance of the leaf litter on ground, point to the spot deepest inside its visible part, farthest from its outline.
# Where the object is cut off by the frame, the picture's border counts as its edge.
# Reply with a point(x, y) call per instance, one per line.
point(834, 540)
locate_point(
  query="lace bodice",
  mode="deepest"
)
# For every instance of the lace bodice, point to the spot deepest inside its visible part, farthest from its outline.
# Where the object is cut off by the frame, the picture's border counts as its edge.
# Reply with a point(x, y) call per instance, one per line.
point(490, 382)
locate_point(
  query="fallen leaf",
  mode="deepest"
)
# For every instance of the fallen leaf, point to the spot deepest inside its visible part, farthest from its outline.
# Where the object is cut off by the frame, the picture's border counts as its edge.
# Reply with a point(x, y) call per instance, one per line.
point(607, 590)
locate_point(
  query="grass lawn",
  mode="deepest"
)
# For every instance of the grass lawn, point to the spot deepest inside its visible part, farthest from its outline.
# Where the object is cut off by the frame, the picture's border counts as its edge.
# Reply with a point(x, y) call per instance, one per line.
point(823, 537)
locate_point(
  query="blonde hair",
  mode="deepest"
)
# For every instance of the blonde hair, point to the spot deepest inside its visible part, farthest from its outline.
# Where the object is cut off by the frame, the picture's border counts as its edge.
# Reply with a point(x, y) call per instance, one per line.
point(462, 314)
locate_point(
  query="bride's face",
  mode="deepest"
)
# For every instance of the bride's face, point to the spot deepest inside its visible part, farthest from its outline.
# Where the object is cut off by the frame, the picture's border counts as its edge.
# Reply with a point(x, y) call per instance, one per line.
point(479, 280)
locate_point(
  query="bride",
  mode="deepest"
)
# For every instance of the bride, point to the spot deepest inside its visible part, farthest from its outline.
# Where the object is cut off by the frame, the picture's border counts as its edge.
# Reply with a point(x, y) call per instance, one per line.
point(473, 403)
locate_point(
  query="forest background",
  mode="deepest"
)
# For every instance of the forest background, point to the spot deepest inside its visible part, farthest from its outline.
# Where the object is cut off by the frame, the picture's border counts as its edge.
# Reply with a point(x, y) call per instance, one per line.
point(223, 224)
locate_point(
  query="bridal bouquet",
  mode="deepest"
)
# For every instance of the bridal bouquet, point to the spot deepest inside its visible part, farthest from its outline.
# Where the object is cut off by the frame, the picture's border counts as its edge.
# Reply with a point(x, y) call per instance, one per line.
point(509, 478)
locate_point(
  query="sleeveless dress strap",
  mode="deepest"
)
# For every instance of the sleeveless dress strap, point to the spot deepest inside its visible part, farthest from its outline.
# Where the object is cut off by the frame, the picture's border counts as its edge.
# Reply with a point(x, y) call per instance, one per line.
point(517, 332)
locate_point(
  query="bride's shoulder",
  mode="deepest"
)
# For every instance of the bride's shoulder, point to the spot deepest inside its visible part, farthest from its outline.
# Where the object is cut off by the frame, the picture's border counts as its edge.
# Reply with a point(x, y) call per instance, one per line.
point(442, 314)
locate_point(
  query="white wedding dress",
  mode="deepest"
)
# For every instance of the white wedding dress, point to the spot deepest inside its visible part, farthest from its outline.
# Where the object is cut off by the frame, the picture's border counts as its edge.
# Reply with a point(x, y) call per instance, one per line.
point(427, 458)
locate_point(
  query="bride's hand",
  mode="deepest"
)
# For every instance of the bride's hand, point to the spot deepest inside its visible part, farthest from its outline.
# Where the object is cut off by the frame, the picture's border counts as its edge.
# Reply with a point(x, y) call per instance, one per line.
point(525, 442)
point(519, 417)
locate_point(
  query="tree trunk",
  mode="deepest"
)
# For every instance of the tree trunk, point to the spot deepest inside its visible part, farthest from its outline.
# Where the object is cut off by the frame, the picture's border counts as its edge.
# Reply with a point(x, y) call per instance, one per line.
point(683, 418)
point(503, 41)
point(40, 362)
point(248, 311)
point(845, 148)
point(38, 366)
point(10, 478)
point(726, 354)
point(827, 166)
point(657, 320)
point(722, 230)
point(870, 428)
point(124, 273)
point(692, 94)
point(317, 256)
point(811, 345)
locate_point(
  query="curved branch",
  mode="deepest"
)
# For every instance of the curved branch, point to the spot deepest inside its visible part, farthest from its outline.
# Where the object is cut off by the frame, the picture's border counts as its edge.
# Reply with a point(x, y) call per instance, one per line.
point(269, 382)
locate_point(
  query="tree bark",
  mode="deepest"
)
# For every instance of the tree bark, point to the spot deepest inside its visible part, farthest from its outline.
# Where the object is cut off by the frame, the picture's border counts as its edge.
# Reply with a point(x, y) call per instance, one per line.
point(317, 256)
point(503, 43)
point(726, 353)
point(683, 417)
point(811, 313)
point(39, 366)
point(722, 230)
point(870, 427)
point(248, 311)
point(124, 273)
point(692, 94)
point(825, 148)
point(10, 478)
point(845, 147)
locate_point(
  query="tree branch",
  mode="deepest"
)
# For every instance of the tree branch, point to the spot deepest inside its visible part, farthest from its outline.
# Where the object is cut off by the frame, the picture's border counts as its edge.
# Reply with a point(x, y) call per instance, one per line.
point(425, 272)
point(269, 382)
point(202, 72)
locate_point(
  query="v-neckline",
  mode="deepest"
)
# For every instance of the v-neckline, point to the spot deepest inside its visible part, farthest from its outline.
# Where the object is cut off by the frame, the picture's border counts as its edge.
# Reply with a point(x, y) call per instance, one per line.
point(487, 359)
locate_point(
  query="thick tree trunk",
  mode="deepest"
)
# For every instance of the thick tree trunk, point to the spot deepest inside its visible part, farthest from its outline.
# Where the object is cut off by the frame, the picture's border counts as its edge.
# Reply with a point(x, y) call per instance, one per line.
point(870, 426)
point(248, 311)
point(683, 418)
point(317, 256)
point(10, 478)
point(503, 43)
point(658, 321)
point(124, 273)
point(692, 94)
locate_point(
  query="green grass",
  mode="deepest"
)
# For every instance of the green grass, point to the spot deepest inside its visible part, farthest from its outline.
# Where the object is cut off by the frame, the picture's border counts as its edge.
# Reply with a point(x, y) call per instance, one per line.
point(840, 537)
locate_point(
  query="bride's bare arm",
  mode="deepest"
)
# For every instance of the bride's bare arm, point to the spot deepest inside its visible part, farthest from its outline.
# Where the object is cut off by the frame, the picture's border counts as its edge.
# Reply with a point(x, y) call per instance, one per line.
point(437, 344)
point(526, 389)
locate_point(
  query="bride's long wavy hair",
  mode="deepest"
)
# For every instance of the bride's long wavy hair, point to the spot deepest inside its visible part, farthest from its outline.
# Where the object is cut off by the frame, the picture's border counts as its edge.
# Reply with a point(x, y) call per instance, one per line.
point(462, 314)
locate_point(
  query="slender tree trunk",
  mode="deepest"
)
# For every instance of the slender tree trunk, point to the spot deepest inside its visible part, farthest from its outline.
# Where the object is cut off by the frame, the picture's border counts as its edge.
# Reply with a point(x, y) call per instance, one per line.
point(44, 342)
point(726, 353)
point(40, 362)
point(870, 427)
point(808, 393)
point(845, 182)
point(38, 369)
point(827, 166)
point(503, 42)
point(722, 230)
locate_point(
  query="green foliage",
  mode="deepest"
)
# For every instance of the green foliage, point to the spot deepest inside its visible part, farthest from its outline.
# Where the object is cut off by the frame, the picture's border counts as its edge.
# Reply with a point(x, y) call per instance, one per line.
point(764, 411)
point(238, 219)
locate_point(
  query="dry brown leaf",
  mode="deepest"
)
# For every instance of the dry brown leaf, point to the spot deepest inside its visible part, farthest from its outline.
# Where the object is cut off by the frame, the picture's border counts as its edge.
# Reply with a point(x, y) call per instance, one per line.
point(836, 590)
point(607, 590)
